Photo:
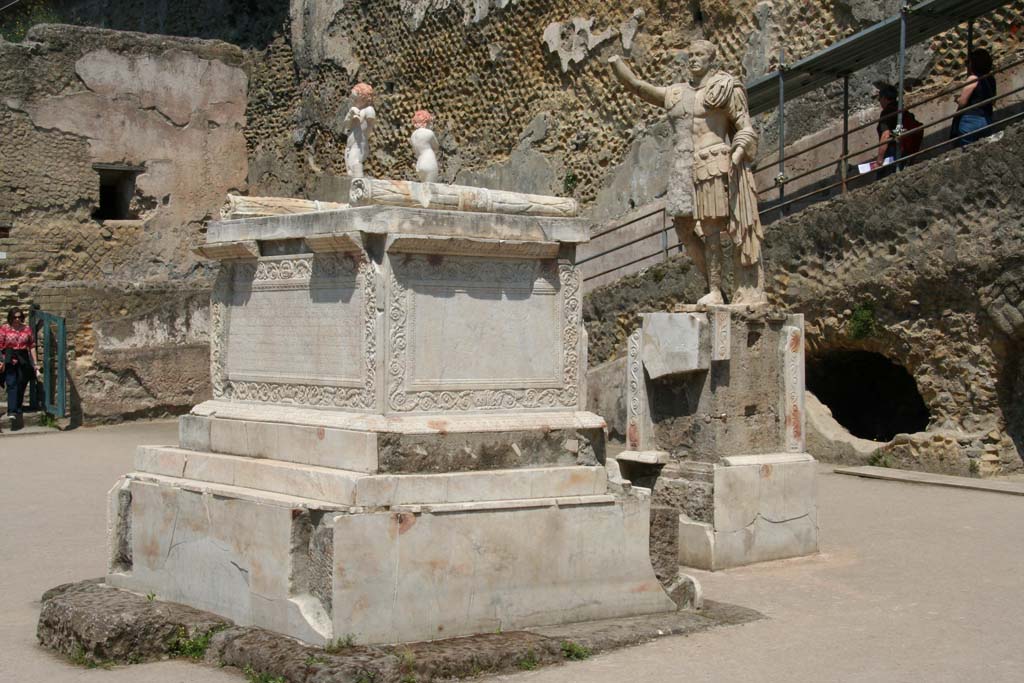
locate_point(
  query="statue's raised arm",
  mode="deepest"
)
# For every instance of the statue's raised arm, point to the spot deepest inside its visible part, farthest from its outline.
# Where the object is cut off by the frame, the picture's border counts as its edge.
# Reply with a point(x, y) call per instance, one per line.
point(646, 91)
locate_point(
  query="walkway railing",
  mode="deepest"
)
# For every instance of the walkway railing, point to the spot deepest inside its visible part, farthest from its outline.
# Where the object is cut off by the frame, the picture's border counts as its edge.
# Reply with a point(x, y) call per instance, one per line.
point(659, 242)
point(844, 159)
point(602, 263)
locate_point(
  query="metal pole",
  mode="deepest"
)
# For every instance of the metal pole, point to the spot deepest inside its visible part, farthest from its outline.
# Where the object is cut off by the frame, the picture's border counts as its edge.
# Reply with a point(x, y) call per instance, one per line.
point(904, 17)
point(845, 165)
point(970, 37)
point(664, 237)
point(781, 179)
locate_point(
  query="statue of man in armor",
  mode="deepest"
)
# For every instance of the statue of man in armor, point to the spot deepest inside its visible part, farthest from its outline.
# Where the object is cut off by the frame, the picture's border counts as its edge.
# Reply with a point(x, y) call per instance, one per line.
point(711, 186)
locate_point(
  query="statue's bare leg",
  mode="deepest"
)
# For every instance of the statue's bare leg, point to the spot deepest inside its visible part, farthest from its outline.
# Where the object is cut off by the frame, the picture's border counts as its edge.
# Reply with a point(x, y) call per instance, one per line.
point(749, 280)
point(692, 243)
point(713, 229)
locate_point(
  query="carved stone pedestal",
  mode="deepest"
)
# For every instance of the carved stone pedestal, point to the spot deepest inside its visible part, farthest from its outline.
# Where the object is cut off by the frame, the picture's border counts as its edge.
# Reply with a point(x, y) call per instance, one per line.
point(396, 448)
point(715, 428)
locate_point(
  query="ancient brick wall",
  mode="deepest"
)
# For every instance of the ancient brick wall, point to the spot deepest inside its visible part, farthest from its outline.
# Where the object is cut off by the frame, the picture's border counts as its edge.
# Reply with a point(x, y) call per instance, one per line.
point(166, 112)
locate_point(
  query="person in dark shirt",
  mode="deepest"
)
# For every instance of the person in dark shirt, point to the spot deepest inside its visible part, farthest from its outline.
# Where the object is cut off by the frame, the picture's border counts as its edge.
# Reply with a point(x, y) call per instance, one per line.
point(888, 145)
point(981, 86)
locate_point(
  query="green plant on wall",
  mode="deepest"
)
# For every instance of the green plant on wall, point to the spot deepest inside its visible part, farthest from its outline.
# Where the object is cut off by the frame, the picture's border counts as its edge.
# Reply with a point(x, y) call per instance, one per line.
point(17, 20)
point(862, 323)
point(570, 182)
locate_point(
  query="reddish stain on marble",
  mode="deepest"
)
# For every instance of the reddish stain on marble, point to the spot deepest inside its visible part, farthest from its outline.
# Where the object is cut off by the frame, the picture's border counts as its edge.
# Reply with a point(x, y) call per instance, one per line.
point(794, 342)
point(320, 433)
point(794, 420)
point(441, 426)
point(404, 521)
point(633, 436)
point(766, 471)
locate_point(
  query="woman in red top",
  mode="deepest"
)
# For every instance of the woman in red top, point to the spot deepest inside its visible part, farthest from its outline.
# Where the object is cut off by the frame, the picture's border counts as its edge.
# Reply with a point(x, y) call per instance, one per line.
point(17, 362)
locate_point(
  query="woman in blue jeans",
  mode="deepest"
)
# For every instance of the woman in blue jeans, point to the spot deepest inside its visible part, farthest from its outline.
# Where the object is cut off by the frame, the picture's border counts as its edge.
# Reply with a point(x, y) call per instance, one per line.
point(17, 363)
point(981, 86)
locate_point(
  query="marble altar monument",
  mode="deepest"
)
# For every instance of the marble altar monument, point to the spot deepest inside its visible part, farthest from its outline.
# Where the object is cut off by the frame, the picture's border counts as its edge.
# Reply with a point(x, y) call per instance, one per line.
point(397, 446)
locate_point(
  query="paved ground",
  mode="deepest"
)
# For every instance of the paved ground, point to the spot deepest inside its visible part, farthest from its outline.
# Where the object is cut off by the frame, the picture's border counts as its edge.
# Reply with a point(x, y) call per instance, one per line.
point(52, 508)
point(915, 583)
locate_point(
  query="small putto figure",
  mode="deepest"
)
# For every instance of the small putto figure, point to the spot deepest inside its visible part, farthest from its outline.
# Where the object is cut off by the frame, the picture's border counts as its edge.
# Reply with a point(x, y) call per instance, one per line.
point(424, 144)
point(359, 122)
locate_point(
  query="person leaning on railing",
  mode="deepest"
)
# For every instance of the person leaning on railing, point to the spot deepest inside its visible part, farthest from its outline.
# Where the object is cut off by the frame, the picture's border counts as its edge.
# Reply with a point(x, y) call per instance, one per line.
point(981, 86)
point(17, 363)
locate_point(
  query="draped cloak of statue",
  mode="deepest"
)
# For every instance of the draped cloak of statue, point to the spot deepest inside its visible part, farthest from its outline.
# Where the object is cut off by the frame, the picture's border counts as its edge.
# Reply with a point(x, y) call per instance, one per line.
point(701, 183)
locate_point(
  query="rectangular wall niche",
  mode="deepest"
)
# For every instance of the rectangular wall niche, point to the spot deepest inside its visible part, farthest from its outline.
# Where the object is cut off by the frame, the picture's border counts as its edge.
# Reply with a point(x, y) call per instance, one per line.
point(117, 187)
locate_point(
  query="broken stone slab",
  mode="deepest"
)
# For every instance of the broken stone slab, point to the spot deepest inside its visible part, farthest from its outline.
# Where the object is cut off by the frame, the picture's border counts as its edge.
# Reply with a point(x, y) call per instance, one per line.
point(765, 508)
point(101, 624)
point(644, 457)
point(675, 343)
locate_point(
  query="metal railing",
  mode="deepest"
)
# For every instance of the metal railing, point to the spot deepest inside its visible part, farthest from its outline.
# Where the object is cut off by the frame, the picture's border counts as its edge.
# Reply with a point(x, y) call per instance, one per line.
point(664, 250)
point(843, 160)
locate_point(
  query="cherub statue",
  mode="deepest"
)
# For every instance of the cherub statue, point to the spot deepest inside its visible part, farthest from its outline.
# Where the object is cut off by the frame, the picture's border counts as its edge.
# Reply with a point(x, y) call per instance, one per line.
point(424, 144)
point(711, 187)
point(359, 122)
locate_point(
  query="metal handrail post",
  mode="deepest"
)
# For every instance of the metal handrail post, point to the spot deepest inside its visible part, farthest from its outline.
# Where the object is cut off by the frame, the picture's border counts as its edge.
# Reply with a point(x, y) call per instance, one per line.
point(664, 236)
point(904, 17)
point(970, 38)
point(844, 163)
point(781, 179)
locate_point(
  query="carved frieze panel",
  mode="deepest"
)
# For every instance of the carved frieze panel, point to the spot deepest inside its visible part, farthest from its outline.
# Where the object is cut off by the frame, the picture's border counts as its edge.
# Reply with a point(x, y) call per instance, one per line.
point(478, 334)
point(296, 330)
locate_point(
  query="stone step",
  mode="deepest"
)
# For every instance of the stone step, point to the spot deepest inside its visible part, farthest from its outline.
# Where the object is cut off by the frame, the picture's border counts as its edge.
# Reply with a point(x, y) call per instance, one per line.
point(1013, 488)
point(357, 489)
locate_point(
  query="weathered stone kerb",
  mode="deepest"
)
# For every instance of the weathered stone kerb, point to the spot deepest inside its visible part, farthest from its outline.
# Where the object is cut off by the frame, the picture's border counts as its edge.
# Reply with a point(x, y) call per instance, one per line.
point(95, 624)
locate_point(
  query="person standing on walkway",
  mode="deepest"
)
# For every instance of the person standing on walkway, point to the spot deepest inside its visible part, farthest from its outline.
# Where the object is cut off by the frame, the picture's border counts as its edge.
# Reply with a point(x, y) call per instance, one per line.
point(981, 86)
point(17, 363)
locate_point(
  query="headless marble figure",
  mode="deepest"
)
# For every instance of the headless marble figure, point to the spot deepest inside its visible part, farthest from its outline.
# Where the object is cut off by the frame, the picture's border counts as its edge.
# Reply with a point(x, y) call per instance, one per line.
point(711, 188)
point(358, 123)
point(424, 144)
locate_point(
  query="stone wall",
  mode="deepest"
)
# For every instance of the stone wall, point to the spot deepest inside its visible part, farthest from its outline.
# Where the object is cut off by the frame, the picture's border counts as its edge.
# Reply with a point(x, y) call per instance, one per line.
point(170, 113)
point(923, 268)
point(523, 97)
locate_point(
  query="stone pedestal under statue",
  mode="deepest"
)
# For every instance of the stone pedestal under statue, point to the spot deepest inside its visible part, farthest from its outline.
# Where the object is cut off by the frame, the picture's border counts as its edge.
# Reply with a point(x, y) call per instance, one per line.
point(396, 448)
point(715, 428)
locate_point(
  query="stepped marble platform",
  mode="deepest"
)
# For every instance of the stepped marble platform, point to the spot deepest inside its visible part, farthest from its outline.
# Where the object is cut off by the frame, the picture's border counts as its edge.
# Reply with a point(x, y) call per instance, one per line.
point(397, 447)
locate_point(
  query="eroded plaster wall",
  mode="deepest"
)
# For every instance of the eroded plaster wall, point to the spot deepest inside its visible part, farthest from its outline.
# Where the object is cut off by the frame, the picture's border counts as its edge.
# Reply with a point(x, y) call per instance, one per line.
point(134, 294)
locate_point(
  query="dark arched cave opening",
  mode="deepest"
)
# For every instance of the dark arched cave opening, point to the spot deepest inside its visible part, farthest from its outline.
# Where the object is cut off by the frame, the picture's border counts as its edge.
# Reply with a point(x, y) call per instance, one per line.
point(867, 393)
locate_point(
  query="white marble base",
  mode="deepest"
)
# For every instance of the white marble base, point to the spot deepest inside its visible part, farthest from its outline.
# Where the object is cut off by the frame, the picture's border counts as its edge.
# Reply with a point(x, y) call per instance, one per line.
point(410, 557)
point(765, 508)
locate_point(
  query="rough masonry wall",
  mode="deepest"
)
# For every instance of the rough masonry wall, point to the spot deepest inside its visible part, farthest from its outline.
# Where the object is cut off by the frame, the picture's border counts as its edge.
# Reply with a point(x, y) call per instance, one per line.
point(134, 294)
point(923, 267)
point(522, 92)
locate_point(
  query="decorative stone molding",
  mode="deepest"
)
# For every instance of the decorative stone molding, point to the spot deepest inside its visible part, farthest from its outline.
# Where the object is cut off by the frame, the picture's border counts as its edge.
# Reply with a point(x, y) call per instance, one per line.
point(290, 273)
point(402, 397)
point(450, 246)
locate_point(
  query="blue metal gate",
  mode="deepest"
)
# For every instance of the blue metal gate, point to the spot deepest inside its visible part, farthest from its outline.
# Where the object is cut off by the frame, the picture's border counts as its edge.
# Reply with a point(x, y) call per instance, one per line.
point(51, 339)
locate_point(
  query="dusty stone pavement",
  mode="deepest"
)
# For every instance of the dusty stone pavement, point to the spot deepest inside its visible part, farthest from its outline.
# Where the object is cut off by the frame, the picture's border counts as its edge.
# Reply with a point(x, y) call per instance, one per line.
point(914, 583)
point(54, 522)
